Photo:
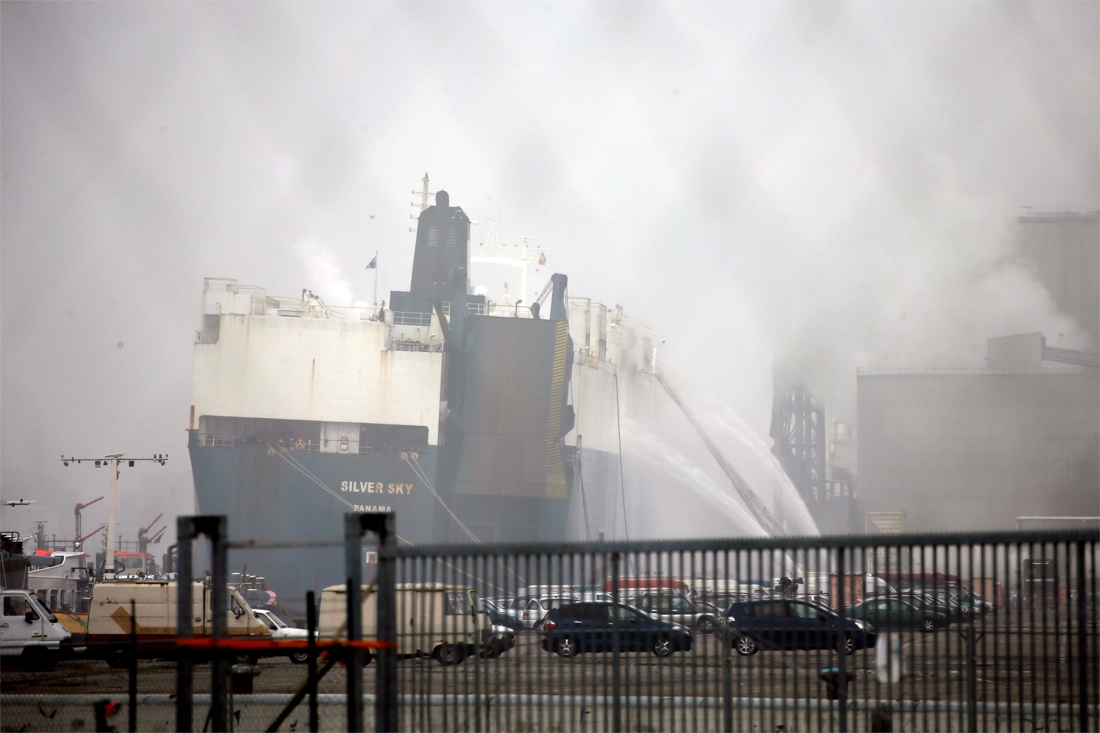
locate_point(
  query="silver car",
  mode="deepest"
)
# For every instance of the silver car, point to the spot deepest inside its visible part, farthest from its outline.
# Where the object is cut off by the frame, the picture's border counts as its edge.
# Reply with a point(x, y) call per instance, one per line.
point(678, 609)
point(531, 610)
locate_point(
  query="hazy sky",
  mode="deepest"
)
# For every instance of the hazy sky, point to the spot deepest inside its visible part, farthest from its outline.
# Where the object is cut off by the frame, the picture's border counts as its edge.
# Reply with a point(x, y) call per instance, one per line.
point(827, 181)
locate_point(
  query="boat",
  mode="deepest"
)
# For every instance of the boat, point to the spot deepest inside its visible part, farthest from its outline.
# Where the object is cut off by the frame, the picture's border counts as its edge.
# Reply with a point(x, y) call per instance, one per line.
point(471, 420)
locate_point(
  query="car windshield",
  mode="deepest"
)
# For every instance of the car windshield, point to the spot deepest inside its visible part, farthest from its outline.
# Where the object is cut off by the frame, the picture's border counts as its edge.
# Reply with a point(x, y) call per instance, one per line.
point(458, 604)
point(40, 608)
point(266, 621)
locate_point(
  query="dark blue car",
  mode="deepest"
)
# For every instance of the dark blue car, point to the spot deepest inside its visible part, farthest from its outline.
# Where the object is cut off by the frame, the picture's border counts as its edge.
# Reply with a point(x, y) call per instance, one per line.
point(593, 627)
point(784, 624)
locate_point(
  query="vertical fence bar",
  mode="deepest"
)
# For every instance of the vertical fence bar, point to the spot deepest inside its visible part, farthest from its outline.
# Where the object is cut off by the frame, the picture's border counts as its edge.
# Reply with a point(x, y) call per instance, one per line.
point(842, 668)
point(616, 657)
point(1082, 643)
point(353, 577)
point(217, 529)
point(385, 705)
point(971, 674)
point(311, 653)
point(133, 666)
point(185, 533)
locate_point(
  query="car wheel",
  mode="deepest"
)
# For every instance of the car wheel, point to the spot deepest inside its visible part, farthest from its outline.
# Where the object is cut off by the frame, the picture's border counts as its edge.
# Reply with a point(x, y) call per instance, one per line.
point(540, 626)
point(662, 646)
point(299, 657)
point(847, 646)
point(706, 625)
point(117, 659)
point(745, 646)
point(368, 657)
point(245, 658)
point(448, 654)
point(567, 647)
point(928, 626)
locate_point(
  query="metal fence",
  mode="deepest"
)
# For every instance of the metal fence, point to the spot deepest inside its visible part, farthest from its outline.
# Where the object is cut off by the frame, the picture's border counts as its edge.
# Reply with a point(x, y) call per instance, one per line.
point(991, 631)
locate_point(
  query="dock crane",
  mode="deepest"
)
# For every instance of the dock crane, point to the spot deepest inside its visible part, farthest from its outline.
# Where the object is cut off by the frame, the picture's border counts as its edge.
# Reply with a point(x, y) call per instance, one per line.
point(144, 540)
point(77, 510)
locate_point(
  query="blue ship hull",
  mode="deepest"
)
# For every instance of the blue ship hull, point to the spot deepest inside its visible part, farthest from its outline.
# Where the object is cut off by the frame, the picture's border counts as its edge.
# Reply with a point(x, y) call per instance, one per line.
point(274, 493)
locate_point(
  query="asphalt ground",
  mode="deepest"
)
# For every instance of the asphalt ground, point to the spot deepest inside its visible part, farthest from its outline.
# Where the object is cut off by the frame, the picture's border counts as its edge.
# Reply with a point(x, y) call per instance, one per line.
point(1009, 664)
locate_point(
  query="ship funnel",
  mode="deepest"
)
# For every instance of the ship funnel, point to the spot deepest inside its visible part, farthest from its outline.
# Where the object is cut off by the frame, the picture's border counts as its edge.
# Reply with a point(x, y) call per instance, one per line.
point(442, 199)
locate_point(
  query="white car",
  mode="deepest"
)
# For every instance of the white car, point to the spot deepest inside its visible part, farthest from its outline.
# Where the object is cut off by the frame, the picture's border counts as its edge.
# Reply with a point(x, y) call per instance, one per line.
point(279, 630)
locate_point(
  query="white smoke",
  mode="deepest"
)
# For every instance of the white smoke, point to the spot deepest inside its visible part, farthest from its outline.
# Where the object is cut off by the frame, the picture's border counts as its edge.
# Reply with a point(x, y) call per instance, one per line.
point(323, 274)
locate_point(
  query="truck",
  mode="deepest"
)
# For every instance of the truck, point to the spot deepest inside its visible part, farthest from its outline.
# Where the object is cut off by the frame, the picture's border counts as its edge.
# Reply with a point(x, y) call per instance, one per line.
point(29, 634)
point(433, 619)
point(154, 619)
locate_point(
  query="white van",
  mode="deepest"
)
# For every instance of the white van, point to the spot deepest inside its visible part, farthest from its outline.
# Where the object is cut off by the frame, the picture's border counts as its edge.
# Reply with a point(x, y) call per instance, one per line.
point(29, 633)
point(433, 619)
point(155, 608)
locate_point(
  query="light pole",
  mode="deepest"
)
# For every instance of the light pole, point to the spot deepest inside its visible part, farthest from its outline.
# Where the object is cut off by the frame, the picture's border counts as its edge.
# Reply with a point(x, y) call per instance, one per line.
point(113, 460)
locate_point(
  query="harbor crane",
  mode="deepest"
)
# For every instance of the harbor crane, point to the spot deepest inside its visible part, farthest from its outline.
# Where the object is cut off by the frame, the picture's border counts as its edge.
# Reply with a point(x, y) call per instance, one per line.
point(144, 540)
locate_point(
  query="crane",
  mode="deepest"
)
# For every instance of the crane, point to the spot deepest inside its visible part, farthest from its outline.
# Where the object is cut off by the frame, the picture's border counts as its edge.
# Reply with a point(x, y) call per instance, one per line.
point(144, 540)
point(81, 507)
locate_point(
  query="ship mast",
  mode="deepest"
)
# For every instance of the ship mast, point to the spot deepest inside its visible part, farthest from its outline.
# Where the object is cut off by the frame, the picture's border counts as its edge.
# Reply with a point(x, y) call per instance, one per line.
point(493, 252)
point(424, 193)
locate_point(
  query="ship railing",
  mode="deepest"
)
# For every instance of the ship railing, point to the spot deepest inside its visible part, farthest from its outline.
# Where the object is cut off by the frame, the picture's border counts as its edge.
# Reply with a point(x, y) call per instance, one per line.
point(227, 284)
point(214, 440)
point(415, 345)
point(503, 310)
point(411, 318)
point(312, 446)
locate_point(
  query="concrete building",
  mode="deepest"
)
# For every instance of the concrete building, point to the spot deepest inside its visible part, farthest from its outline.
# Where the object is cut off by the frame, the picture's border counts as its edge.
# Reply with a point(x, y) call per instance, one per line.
point(975, 449)
point(1062, 248)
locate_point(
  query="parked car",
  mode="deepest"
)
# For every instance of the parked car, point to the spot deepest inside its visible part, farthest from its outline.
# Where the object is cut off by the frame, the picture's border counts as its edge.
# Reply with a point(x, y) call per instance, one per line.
point(591, 626)
point(280, 630)
point(499, 615)
point(932, 602)
point(895, 613)
point(530, 610)
point(785, 624)
point(678, 609)
point(963, 604)
point(30, 635)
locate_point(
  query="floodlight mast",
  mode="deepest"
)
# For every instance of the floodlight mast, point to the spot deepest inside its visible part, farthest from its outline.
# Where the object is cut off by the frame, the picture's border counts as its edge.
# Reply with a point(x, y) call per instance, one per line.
point(113, 460)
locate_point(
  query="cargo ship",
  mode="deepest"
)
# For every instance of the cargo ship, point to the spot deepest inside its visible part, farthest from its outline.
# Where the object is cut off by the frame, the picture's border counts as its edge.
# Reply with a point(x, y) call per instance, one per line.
point(471, 420)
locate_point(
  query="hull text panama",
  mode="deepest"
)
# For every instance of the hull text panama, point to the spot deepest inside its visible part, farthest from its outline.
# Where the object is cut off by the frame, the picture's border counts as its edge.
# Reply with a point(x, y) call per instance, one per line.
point(374, 487)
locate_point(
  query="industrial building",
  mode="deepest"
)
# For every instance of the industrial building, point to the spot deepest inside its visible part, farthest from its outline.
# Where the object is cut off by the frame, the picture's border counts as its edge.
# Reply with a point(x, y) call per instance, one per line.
point(964, 448)
point(959, 449)
point(1062, 249)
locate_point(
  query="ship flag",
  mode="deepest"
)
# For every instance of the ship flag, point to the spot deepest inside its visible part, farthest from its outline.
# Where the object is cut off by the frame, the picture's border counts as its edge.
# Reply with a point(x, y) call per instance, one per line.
point(542, 259)
point(373, 264)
